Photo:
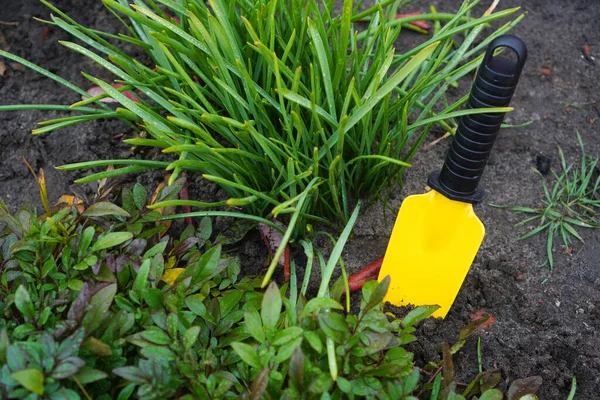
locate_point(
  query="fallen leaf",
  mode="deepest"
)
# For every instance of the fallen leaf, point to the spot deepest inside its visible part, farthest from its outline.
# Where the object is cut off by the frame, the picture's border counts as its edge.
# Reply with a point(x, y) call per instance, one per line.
point(17, 66)
point(2, 69)
point(547, 72)
point(483, 314)
point(97, 90)
point(72, 201)
point(418, 24)
point(164, 210)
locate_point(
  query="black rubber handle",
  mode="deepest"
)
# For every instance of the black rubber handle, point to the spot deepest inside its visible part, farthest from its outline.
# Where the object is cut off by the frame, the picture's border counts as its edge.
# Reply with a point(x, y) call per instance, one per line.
point(494, 87)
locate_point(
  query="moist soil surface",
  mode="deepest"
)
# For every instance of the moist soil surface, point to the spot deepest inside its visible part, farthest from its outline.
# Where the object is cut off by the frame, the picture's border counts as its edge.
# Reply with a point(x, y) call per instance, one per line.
point(546, 324)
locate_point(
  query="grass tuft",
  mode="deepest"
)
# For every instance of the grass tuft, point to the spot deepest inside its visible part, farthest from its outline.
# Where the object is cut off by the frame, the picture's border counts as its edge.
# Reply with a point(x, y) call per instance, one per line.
point(572, 202)
point(290, 107)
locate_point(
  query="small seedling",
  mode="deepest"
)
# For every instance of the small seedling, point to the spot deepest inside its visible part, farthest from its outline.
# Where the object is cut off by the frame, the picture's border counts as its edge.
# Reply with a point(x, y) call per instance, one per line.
point(573, 201)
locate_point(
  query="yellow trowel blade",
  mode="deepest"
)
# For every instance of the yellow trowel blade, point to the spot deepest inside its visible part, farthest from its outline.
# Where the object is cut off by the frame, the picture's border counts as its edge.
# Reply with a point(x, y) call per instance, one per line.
point(432, 247)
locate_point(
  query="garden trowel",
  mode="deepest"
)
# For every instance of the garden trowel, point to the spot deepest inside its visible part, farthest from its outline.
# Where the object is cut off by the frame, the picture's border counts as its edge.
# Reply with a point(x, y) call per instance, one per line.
point(437, 234)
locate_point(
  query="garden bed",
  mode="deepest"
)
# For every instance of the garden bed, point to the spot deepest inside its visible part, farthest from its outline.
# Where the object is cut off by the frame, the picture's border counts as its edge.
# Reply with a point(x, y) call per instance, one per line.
point(548, 329)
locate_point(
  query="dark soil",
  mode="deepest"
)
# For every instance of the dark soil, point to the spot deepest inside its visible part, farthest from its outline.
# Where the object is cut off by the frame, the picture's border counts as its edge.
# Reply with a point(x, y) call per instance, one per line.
point(548, 329)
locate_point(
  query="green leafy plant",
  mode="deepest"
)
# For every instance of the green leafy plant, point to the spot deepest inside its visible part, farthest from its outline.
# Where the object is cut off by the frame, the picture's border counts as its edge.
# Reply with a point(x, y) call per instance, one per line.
point(76, 282)
point(572, 202)
point(288, 106)
point(160, 317)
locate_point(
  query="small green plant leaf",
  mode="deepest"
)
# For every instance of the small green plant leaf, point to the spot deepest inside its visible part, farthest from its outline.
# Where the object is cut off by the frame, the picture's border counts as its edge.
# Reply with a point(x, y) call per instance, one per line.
point(31, 379)
point(67, 368)
point(103, 208)
point(111, 239)
point(157, 337)
point(318, 303)
point(344, 384)
point(132, 374)
point(70, 346)
point(286, 335)
point(85, 240)
point(158, 353)
point(377, 294)
point(314, 340)
point(126, 392)
point(493, 394)
point(573, 389)
point(87, 375)
point(24, 303)
point(229, 300)
point(4, 343)
point(156, 249)
point(153, 297)
point(418, 314)
point(411, 382)
point(254, 325)
point(287, 349)
point(191, 336)
point(139, 196)
point(247, 353)
point(142, 276)
point(271, 306)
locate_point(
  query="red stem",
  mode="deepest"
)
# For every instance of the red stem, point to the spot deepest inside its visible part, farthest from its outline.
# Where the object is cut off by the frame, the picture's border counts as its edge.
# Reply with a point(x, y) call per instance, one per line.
point(286, 264)
point(185, 195)
point(418, 24)
point(286, 257)
point(369, 273)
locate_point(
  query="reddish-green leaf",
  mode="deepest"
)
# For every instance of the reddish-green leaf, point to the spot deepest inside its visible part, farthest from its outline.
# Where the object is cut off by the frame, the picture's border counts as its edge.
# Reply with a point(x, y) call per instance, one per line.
point(103, 208)
point(259, 386)
point(98, 307)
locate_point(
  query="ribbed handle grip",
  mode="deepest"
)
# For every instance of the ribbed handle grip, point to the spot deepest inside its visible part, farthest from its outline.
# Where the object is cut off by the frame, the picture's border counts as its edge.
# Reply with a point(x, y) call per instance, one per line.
point(494, 87)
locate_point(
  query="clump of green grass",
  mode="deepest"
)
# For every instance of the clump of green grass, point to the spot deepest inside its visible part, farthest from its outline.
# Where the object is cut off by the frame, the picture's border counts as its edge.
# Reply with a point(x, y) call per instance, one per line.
point(572, 202)
point(288, 106)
